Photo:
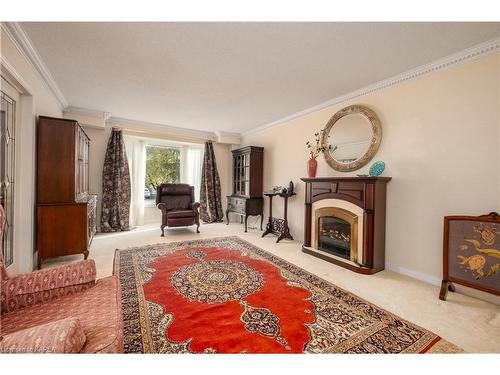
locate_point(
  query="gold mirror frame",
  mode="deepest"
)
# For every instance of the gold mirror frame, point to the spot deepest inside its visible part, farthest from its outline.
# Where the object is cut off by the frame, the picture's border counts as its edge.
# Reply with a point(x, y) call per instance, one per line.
point(372, 149)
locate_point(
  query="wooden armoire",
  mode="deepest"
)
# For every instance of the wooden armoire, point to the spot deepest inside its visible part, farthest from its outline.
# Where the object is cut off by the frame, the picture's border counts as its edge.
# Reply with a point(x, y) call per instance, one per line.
point(66, 212)
point(246, 199)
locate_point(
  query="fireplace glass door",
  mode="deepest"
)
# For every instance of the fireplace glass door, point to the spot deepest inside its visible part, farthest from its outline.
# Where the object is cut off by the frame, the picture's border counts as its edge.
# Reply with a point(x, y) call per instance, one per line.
point(334, 236)
point(336, 232)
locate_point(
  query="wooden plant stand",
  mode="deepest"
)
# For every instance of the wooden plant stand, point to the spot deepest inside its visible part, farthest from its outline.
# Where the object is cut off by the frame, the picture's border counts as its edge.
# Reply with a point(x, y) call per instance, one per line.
point(276, 225)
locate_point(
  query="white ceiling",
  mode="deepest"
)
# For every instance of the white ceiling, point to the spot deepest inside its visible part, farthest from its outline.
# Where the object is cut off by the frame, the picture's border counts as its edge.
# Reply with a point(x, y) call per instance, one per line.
point(234, 76)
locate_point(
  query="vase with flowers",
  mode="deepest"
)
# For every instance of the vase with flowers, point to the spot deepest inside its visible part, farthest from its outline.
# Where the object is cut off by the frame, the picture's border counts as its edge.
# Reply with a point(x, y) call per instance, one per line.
point(315, 148)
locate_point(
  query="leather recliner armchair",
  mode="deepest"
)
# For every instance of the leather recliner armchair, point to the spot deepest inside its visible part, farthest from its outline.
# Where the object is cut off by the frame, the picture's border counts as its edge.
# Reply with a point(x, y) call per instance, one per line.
point(176, 202)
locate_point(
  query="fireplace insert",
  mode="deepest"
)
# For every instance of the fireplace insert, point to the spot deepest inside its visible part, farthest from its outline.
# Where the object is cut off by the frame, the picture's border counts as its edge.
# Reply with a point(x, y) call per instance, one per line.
point(334, 236)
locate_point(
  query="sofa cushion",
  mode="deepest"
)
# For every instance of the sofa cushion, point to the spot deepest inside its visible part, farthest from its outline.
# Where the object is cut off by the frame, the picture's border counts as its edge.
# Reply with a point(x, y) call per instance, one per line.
point(98, 310)
point(60, 336)
point(46, 284)
point(180, 213)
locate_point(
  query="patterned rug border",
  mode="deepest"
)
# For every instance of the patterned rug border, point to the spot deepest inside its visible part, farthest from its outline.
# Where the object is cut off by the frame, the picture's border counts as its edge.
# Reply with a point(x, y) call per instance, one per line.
point(314, 280)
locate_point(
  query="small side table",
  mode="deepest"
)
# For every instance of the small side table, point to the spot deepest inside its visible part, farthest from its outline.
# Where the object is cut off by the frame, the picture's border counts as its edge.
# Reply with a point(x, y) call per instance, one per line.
point(276, 225)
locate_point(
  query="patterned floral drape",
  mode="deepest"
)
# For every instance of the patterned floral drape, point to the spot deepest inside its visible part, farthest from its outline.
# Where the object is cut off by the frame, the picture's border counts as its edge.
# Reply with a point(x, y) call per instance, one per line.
point(115, 186)
point(210, 195)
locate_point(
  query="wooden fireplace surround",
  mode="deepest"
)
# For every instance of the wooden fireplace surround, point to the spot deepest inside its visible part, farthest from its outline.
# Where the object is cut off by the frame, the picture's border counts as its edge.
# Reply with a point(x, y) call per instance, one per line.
point(369, 193)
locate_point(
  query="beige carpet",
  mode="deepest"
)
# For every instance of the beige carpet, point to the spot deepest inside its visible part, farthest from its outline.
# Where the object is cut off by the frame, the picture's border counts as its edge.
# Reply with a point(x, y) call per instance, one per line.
point(468, 322)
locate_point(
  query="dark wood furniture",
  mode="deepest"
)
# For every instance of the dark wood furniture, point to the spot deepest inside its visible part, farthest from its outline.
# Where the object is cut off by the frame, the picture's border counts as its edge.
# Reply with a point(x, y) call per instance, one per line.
point(66, 212)
point(471, 251)
point(276, 225)
point(177, 205)
point(246, 199)
point(369, 193)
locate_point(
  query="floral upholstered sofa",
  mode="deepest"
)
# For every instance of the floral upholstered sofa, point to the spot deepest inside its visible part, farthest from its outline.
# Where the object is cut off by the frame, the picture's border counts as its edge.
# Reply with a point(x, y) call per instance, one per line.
point(60, 310)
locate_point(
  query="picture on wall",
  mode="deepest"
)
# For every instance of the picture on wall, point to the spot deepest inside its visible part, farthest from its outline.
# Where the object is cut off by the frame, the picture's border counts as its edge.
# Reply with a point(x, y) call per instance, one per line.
point(471, 253)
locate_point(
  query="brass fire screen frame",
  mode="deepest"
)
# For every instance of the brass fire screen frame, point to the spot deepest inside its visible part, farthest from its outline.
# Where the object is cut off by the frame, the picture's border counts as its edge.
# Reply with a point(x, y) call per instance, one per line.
point(345, 215)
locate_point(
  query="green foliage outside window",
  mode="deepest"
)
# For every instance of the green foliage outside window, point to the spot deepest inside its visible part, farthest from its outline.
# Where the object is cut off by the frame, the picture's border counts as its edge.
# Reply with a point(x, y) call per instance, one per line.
point(163, 165)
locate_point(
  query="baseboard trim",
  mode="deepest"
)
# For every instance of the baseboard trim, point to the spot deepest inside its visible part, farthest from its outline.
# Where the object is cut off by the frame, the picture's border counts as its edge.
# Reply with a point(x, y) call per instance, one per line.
point(429, 279)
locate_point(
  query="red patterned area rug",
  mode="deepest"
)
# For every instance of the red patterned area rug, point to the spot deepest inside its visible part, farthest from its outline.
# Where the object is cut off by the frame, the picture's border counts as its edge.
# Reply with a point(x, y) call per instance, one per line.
point(224, 295)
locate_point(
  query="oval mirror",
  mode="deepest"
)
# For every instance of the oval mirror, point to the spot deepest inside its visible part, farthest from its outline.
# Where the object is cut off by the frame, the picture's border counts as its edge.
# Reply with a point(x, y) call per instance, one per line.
point(351, 138)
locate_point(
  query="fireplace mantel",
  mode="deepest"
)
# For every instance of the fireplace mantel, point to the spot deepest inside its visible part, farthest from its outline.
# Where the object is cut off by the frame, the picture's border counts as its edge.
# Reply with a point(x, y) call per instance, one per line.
point(367, 193)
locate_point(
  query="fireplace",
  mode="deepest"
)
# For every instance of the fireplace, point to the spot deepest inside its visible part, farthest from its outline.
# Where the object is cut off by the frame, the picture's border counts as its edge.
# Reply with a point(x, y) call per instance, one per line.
point(337, 232)
point(345, 221)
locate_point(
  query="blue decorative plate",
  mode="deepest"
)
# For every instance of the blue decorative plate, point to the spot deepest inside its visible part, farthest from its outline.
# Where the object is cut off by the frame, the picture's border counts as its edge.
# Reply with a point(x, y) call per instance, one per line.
point(377, 169)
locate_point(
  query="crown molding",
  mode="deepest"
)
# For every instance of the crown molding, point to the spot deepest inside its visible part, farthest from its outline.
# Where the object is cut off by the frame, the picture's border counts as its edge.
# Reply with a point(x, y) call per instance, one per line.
point(103, 115)
point(88, 117)
point(28, 50)
point(467, 55)
point(231, 138)
point(129, 124)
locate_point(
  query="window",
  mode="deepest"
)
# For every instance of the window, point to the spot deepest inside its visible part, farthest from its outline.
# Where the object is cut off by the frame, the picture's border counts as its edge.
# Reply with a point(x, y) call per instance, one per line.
point(163, 165)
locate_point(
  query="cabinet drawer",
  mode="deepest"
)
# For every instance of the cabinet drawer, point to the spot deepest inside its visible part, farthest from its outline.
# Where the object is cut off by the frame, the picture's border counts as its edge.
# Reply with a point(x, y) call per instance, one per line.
point(61, 230)
point(234, 208)
point(236, 205)
point(237, 202)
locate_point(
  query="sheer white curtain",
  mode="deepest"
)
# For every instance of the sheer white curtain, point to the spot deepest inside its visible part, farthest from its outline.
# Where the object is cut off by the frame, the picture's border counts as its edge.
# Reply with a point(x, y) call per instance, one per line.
point(192, 168)
point(136, 154)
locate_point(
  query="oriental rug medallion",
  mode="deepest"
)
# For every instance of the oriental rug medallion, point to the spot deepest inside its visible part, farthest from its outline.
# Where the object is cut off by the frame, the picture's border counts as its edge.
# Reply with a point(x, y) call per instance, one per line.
point(224, 295)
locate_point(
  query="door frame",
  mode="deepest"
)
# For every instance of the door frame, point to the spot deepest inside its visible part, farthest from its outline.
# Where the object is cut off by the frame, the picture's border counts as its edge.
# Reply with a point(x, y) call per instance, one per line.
point(25, 171)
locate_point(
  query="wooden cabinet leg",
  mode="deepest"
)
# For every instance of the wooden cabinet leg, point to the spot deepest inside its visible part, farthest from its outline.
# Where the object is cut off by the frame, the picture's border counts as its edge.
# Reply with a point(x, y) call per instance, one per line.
point(227, 217)
point(261, 220)
point(246, 220)
point(85, 254)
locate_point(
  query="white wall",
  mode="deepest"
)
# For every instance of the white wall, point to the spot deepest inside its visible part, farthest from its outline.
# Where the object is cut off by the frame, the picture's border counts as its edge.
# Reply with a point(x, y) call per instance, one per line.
point(441, 147)
point(97, 150)
point(37, 100)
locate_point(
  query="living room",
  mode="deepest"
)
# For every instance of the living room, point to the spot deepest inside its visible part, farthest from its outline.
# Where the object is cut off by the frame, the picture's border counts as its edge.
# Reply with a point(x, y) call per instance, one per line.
point(250, 187)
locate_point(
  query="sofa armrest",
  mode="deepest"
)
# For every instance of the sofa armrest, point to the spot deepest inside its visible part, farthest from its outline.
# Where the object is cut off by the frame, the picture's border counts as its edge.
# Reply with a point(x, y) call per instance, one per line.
point(31, 288)
point(194, 206)
point(60, 336)
point(162, 206)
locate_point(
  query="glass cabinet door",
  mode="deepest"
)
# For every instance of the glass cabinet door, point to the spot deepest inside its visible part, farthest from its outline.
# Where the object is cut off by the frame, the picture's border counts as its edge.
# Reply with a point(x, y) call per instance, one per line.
point(241, 174)
point(82, 164)
point(246, 173)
